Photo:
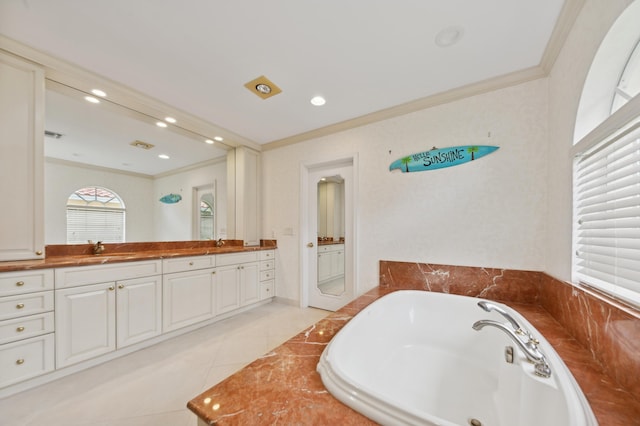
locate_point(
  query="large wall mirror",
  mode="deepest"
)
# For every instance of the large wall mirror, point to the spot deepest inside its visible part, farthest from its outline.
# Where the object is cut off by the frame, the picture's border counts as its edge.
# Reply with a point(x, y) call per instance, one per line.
point(106, 145)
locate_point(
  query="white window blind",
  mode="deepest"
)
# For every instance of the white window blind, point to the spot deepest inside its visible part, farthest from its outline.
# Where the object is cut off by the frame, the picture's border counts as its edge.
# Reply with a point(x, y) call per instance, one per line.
point(85, 223)
point(607, 210)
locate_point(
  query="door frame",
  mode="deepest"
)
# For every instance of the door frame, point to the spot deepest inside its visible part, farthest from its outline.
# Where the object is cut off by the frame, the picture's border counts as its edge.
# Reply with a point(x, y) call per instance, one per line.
point(305, 169)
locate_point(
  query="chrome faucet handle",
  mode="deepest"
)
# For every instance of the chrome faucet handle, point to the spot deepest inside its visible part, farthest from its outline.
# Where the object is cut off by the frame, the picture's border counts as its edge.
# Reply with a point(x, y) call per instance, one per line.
point(488, 306)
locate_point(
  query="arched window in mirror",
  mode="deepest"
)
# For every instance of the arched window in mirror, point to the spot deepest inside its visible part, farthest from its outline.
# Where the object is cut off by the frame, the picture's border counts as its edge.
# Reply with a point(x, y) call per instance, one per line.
point(96, 214)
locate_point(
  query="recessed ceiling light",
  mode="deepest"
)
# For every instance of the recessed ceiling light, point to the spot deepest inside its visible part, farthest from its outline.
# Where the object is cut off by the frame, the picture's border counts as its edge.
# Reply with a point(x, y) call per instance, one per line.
point(218, 138)
point(209, 141)
point(161, 124)
point(265, 89)
point(92, 99)
point(99, 92)
point(163, 156)
point(318, 101)
point(170, 120)
point(449, 36)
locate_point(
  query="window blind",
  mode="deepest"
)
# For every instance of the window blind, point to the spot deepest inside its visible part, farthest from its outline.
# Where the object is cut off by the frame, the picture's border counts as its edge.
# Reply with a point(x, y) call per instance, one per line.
point(84, 224)
point(607, 209)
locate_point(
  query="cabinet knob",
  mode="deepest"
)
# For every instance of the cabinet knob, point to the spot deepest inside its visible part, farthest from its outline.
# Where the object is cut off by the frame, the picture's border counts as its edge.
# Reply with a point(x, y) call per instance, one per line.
point(20, 329)
point(20, 283)
point(120, 286)
point(39, 253)
point(111, 288)
point(20, 361)
point(213, 272)
point(190, 263)
point(20, 306)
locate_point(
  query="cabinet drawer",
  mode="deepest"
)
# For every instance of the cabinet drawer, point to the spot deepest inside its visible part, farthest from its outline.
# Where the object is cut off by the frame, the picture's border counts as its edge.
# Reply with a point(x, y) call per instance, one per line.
point(266, 265)
point(267, 289)
point(267, 275)
point(267, 254)
point(25, 327)
point(182, 264)
point(330, 247)
point(235, 258)
point(26, 359)
point(95, 274)
point(25, 304)
point(25, 281)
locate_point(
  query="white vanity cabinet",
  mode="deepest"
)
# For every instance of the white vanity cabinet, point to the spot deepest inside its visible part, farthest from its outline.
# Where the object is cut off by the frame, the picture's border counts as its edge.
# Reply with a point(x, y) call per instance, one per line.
point(104, 307)
point(188, 291)
point(238, 281)
point(21, 159)
point(267, 274)
point(330, 262)
point(26, 325)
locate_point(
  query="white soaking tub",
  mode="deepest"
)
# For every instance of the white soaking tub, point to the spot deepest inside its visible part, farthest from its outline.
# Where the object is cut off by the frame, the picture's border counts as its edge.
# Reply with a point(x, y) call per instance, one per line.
point(413, 357)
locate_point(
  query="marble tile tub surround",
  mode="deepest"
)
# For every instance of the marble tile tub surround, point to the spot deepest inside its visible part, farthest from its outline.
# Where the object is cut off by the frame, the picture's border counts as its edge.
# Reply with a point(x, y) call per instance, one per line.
point(282, 386)
point(610, 332)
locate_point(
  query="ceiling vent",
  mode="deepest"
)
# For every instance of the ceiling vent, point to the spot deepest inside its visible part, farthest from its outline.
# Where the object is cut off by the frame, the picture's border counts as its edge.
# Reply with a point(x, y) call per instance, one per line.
point(263, 87)
point(141, 145)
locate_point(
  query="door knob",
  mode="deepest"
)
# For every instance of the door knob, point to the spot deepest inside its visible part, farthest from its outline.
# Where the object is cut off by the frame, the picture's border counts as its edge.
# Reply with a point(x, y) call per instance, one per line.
point(309, 245)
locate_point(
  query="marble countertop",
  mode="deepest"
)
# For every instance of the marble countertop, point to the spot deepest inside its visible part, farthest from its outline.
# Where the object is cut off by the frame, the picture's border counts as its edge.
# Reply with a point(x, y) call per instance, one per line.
point(283, 387)
point(80, 255)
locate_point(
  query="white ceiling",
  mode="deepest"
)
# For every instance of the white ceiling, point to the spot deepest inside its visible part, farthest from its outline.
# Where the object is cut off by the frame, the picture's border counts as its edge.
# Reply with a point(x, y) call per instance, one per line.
point(363, 56)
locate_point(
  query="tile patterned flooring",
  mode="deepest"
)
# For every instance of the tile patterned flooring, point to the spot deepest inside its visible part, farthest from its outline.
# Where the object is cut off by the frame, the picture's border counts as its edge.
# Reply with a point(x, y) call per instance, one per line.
point(152, 386)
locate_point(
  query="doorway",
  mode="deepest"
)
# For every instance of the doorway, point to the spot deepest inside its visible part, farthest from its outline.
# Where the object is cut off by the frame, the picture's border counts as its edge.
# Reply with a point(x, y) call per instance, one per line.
point(328, 237)
point(204, 212)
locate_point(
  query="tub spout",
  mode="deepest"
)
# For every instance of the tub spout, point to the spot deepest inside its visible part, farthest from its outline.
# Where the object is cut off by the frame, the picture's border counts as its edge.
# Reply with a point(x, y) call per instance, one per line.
point(526, 343)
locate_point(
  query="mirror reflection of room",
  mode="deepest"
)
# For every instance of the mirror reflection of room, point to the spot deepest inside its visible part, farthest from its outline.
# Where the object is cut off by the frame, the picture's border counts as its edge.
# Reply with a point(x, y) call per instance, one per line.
point(331, 231)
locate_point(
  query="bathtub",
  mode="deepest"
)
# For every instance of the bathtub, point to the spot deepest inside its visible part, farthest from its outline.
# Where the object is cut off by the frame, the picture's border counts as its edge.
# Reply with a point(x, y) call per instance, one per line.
point(413, 358)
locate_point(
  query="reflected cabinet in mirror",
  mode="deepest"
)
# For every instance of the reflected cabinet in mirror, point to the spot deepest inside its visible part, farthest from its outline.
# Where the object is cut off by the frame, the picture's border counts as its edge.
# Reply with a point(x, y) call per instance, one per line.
point(331, 232)
point(170, 183)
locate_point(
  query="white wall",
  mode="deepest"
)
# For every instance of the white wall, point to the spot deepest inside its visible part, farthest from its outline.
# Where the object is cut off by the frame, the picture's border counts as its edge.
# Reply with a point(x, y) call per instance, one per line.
point(61, 180)
point(173, 222)
point(487, 213)
point(565, 86)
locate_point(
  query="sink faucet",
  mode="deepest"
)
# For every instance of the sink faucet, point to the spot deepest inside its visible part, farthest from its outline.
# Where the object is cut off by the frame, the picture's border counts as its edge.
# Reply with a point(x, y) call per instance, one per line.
point(528, 346)
point(219, 243)
point(98, 247)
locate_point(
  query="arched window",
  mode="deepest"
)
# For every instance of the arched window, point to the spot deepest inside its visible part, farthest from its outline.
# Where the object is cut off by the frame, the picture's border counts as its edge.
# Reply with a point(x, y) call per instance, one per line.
point(607, 166)
point(96, 214)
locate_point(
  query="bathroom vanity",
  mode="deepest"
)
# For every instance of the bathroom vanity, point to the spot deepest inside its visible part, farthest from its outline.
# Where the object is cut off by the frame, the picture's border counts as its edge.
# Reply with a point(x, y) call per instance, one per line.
point(105, 306)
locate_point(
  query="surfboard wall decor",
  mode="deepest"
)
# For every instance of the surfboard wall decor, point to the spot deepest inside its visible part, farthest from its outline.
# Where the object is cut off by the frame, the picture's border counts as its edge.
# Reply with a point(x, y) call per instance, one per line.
point(439, 158)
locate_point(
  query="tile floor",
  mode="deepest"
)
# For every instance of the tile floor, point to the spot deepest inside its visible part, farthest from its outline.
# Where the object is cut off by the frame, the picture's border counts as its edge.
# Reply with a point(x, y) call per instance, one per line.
point(152, 386)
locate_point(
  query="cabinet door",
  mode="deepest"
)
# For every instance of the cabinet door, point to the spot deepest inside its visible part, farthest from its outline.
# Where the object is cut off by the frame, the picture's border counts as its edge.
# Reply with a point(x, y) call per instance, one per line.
point(324, 266)
point(227, 288)
point(85, 323)
point(249, 283)
point(139, 310)
point(21, 159)
point(188, 298)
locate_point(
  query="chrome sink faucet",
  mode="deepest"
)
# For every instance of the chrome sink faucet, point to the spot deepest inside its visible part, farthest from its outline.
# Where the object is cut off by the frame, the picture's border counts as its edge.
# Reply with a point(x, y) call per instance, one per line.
point(525, 341)
point(219, 243)
point(98, 248)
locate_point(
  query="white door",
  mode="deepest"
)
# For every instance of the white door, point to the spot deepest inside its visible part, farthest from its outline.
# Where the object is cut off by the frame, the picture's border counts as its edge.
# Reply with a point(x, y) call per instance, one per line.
point(330, 225)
